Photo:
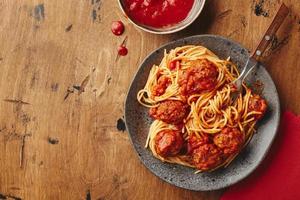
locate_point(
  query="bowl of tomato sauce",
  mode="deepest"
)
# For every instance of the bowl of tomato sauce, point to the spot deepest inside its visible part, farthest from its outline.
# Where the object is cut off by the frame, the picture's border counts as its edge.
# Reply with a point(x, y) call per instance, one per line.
point(161, 16)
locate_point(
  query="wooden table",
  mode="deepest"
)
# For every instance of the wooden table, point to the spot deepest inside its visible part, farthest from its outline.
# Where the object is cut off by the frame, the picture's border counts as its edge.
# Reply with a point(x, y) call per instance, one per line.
point(62, 93)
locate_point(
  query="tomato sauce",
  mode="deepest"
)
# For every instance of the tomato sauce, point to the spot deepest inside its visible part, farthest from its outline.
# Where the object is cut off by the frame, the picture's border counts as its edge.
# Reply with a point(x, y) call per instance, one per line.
point(122, 50)
point(158, 13)
point(117, 28)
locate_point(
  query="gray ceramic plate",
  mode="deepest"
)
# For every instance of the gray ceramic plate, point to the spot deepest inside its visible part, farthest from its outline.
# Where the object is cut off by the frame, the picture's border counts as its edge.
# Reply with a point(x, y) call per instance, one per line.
point(138, 121)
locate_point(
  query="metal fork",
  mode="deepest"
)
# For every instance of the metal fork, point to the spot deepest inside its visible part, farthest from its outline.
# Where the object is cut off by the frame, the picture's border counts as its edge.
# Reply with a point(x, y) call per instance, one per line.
point(264, 43)
point(238, 83)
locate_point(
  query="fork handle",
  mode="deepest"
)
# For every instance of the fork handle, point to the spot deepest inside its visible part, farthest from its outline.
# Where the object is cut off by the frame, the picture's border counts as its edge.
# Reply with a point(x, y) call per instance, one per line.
point(270, 33)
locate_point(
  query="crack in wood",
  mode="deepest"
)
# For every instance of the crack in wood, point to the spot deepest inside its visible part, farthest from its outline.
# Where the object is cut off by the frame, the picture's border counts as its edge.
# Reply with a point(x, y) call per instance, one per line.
point(69, 91)
point(88, 195)
point(15, 188)
point(76, 87)
point(8, 196)
point(22, 149)
point(96, 112)
point(233, 32)
point(224, 14)
point(22, 152)
point(69, 28)
point(80, 88)
point(16, 101)
point(108, 80)
point(84, 84)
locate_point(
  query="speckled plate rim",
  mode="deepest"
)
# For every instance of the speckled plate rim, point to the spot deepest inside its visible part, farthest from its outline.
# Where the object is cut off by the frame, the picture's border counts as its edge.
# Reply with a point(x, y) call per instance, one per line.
point(277, 115)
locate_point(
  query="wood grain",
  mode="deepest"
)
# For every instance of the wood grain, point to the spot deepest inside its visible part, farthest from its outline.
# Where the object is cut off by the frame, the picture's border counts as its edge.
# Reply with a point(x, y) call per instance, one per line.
point(58, 147)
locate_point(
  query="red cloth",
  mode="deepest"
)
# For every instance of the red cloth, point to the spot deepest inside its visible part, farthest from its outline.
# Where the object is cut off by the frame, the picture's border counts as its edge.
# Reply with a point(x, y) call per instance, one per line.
point(278, 178)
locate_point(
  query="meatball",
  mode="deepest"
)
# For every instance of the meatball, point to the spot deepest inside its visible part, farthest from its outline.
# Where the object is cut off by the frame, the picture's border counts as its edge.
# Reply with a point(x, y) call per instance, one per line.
point(162, 83)
point(201, 77)
point(206, 157)
point(171, 112)
point(168, 142)
point(194, 142)
point(258, 104)
point(230, 140)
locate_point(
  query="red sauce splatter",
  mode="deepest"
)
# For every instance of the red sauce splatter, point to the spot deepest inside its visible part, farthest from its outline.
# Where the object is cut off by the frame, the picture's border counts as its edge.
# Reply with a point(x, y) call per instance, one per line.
point(117, 27)
point(122, 50)
point(158, 13)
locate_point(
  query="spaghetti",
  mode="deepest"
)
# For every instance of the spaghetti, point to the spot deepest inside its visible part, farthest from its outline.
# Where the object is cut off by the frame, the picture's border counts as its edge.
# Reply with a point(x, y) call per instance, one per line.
point(197, 124)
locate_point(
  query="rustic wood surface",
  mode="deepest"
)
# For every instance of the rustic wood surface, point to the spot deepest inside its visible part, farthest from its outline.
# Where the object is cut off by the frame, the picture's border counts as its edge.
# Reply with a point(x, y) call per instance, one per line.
point(62, 93)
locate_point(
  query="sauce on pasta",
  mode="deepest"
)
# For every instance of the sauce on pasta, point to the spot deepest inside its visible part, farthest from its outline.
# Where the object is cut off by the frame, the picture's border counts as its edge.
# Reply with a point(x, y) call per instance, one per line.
point(196, 123)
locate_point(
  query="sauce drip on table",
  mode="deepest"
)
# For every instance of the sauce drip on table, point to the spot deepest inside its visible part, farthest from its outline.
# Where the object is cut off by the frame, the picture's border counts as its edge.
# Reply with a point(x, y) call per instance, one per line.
point(122, 50)
point(158, 13)
point(117, 28)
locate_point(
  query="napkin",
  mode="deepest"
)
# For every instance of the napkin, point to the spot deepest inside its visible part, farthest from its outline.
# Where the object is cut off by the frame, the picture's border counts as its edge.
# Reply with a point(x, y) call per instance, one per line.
point(278, 177)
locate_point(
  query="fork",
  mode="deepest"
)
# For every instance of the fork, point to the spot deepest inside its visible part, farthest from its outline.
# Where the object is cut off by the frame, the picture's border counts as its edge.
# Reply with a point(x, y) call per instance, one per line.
point(256, 55)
